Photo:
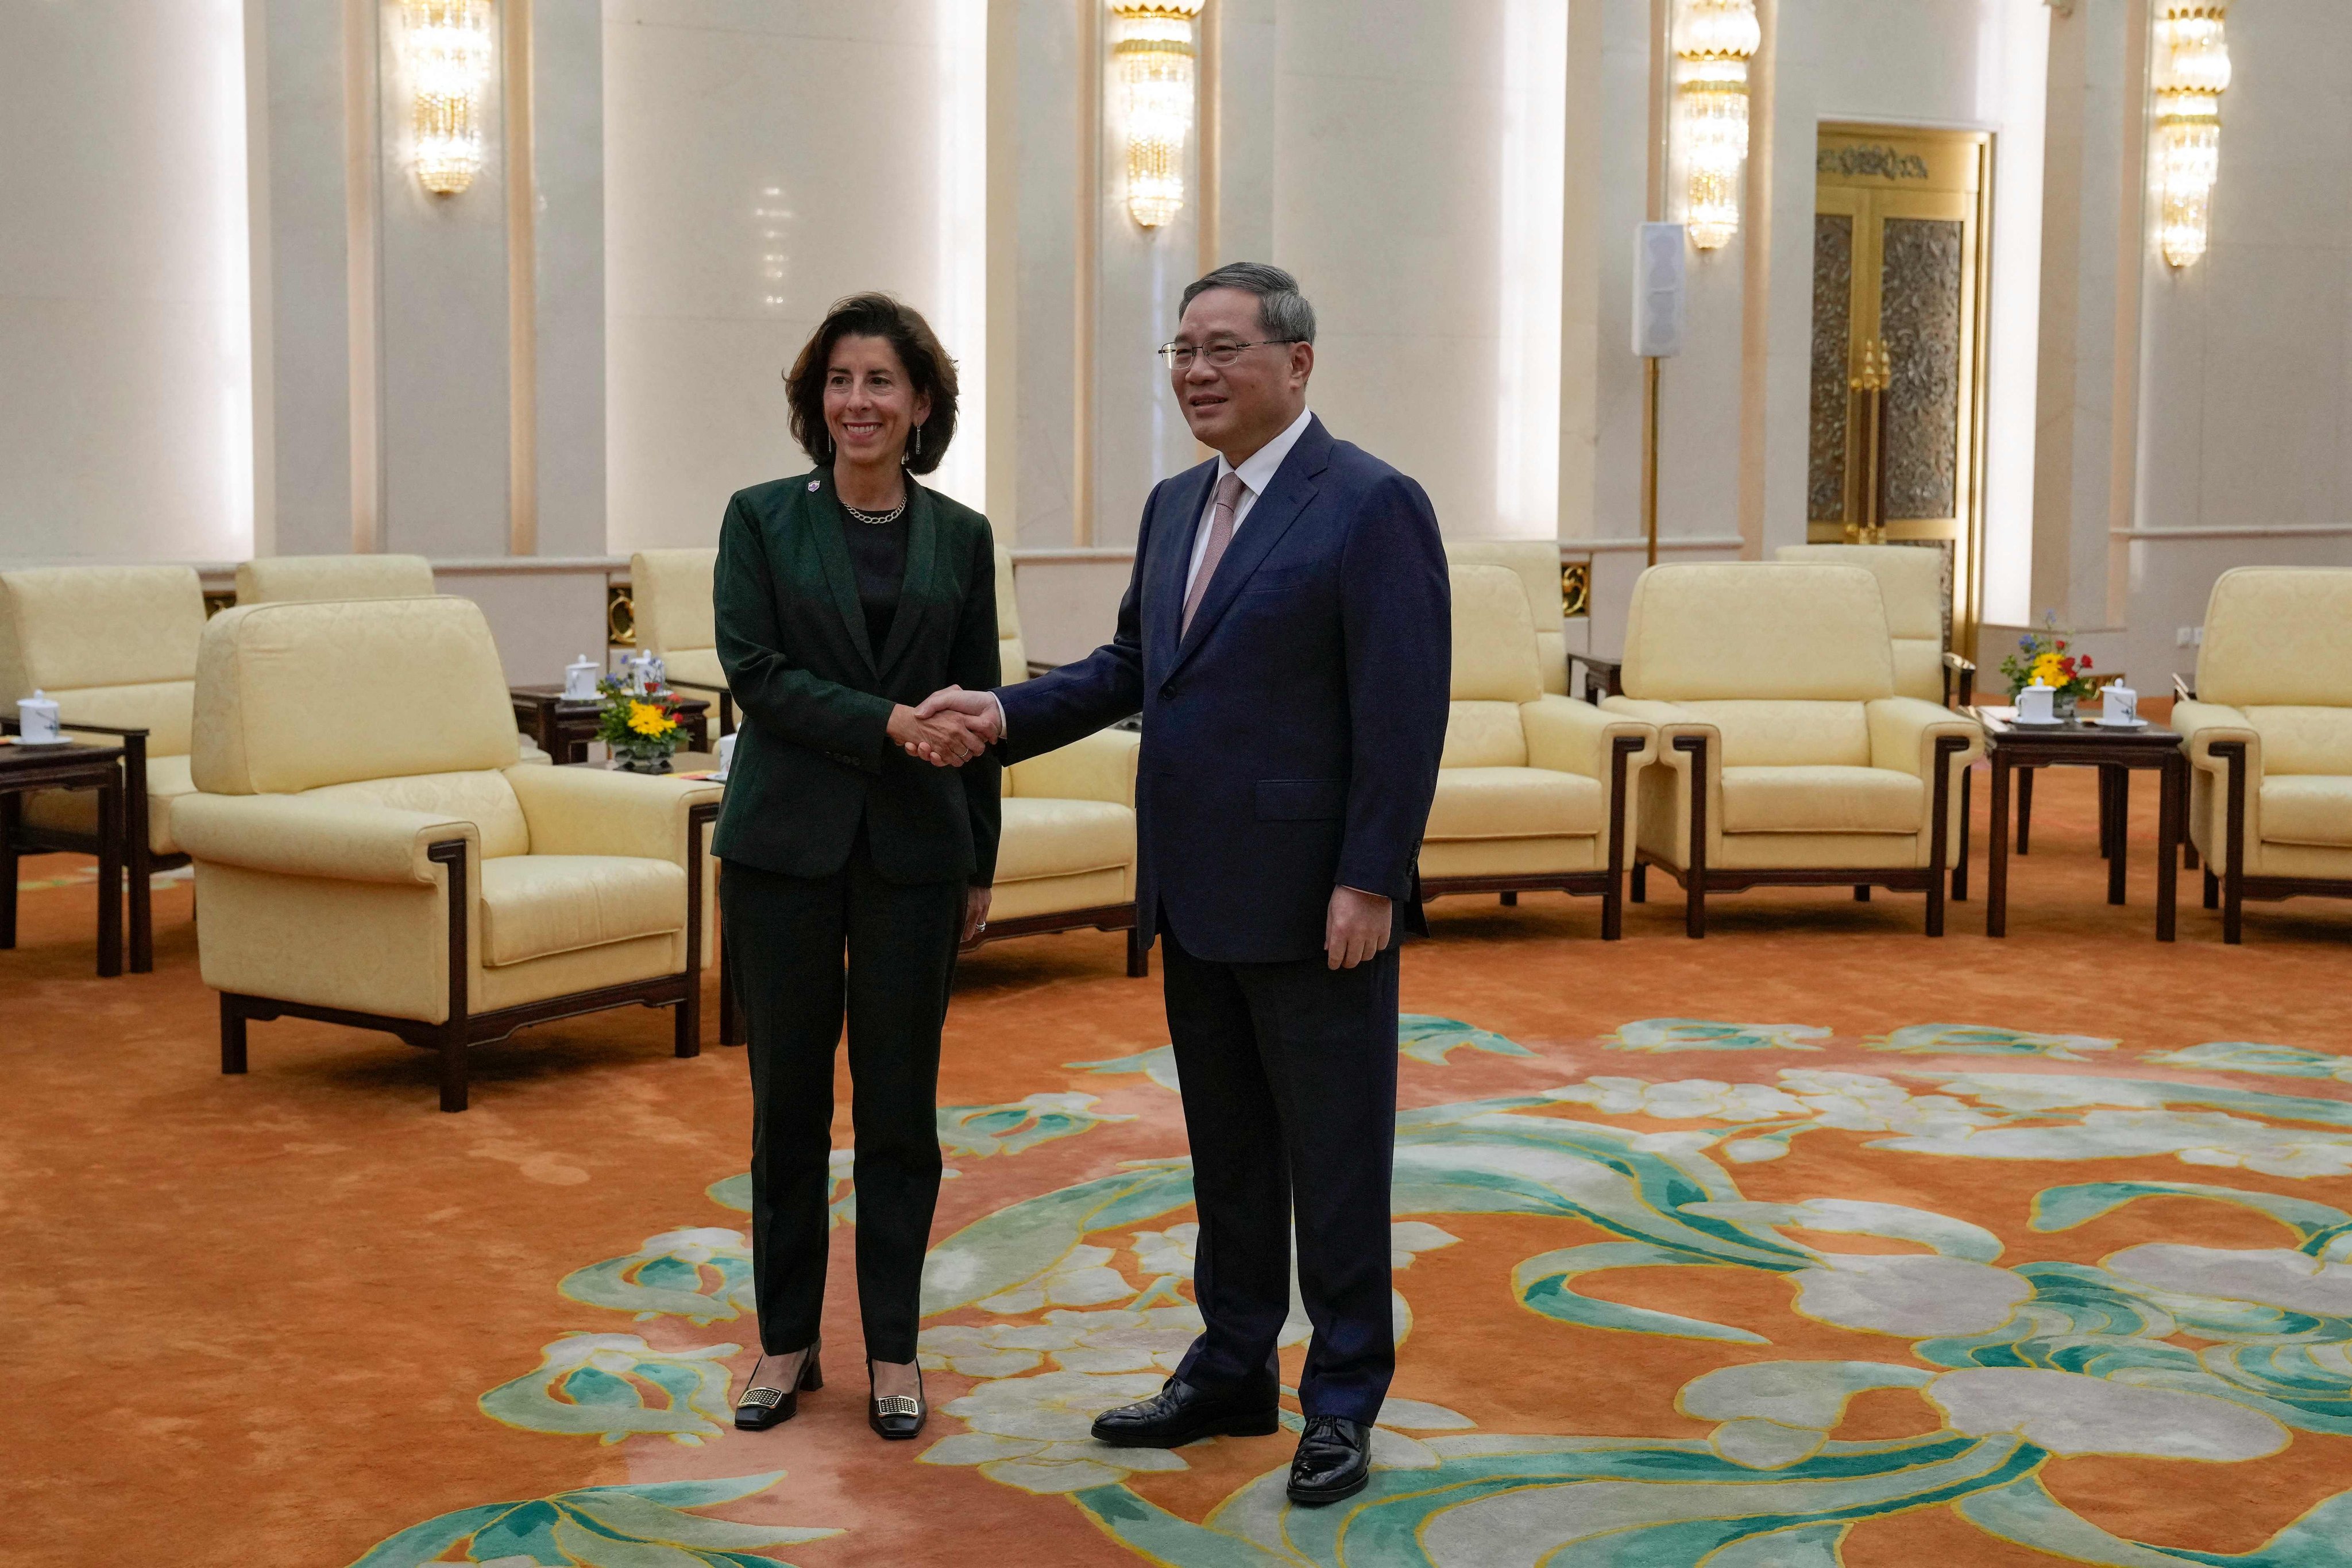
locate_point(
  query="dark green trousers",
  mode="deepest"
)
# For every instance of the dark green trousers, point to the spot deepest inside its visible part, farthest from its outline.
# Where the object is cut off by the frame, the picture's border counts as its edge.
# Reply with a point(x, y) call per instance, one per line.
point(804, 951)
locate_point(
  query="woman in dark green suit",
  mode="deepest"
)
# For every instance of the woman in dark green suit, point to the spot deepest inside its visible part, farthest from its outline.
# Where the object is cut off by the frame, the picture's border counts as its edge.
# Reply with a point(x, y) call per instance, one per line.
point(843, 597)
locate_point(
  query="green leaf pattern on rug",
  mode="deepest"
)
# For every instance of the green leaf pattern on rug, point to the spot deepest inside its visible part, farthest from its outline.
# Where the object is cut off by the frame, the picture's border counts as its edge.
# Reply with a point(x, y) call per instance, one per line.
point(1159, 1066)
point(984, 1130)
point(1426, 1038)
point(702, 1274)
point(1660, 1035)
point(1982, 1040)
point(616, 1385)
point(643, 1526)
point(2244, 1056)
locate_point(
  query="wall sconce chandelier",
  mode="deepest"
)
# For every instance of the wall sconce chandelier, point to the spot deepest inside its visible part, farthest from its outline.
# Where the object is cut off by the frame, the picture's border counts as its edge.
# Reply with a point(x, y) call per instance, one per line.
point(1151, 57)
point(1715, 41)
point(2192, 71)
point(447, 49)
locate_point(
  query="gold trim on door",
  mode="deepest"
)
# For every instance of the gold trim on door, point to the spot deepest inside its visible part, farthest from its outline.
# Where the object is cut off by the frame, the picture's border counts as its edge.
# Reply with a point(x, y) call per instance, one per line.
point(1895, 451)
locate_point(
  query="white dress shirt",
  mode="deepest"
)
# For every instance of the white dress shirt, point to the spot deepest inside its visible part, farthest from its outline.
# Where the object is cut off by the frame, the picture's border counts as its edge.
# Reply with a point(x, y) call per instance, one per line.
point(1257, 471)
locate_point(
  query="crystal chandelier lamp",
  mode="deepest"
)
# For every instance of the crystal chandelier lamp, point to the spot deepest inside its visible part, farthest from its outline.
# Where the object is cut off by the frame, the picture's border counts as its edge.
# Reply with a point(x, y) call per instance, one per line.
point(445, 45)
point(1714, 40)
point(1151, 57)
point(2192, 71)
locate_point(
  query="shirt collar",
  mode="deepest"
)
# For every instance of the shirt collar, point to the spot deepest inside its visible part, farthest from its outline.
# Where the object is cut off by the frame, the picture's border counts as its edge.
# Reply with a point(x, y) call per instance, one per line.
point(1257, 470)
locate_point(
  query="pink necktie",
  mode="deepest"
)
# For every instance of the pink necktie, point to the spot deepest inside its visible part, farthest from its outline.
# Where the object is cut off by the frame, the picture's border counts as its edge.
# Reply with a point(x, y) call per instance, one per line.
point(1220, 535)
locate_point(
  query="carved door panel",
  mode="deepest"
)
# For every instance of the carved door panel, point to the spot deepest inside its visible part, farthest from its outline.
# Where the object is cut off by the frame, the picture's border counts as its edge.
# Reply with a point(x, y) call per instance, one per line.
point(1896, 386)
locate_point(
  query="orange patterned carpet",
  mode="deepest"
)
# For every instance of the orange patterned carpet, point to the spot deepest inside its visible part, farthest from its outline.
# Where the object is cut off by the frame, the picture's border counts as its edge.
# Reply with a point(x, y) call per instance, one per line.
point(1814, 1243)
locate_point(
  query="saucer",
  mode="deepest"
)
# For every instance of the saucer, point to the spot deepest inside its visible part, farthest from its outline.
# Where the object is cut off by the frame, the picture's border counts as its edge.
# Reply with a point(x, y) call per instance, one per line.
point(2104, 723)
point(38, 745)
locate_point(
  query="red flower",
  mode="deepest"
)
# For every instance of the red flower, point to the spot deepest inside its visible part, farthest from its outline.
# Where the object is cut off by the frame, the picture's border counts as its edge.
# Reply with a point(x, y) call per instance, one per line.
point(2086, 662)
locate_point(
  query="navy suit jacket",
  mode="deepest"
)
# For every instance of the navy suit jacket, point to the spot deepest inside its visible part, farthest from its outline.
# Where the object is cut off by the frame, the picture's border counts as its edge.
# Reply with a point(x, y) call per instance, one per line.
point(1291, 738)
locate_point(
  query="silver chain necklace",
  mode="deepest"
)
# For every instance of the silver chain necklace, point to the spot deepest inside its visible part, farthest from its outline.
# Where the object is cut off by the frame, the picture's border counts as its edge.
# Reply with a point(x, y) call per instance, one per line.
point(874, 519)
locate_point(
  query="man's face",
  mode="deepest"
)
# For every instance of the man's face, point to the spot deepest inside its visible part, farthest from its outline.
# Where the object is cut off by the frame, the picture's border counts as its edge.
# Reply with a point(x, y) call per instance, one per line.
point(1238, 408)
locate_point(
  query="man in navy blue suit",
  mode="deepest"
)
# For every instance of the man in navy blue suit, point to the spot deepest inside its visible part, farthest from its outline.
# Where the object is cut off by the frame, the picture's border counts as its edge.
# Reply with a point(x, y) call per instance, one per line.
point(1287, 637)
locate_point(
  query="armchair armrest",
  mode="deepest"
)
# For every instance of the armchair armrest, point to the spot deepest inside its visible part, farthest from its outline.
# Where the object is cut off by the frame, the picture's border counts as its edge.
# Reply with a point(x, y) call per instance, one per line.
point(346, 840)
point(1607, 674)
point(1100, 767)
point(2200, 724)
point(1904, 731)
point(588, 811)
point(1571, 737)
point(1961, 673)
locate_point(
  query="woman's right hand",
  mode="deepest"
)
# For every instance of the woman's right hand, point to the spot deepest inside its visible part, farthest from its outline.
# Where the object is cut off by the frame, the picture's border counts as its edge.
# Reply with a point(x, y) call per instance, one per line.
point(946, 740)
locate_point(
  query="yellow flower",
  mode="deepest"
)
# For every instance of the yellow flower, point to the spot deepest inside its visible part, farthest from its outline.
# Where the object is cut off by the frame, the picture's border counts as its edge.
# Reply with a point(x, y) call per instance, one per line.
point(646, 718)
point(2048, 670)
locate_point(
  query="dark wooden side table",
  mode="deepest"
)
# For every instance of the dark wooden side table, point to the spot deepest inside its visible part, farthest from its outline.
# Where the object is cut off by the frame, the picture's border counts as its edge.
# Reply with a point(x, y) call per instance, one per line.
point(730, 1028)
point(82, 765)
point(564, 725)
point(2114, 752)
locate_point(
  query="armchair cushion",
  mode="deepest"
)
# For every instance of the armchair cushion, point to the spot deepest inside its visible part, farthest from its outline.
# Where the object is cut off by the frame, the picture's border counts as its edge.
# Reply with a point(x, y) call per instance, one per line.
point(1904, 731)
point(288, 578)
point(1484, 735)
point(2306, 808)
point(1777, 734)
point(590, 812)
point(484, 799)
point(1761, 630)
point(1911, 587)
point(669, 597)
point(536, 905)
point(1054, 838)
point(1536, 562)
point(2278, 636)
point(66, 627)
point(1574, 737)
point(301, 835)
point(1100, 767)
point(1494, 637)
point(699, 665)
point(1514, 803)
point(2302, 740)
point(1820, 800)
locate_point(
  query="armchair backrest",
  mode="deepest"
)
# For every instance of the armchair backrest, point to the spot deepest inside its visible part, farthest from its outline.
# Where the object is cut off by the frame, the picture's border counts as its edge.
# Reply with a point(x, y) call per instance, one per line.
point(1757, 630)
point(114, 645)
point(297, 696)
point(1012, 654)
point(669, 597)
point(1537, 563)
point(283, 579)
point(1911, 588)
point(2278, 636)
point(1494, 670)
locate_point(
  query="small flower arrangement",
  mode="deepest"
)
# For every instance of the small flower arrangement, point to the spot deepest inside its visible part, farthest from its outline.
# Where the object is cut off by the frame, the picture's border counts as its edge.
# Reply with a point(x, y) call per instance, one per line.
point(641, 728)
point(2042, 656)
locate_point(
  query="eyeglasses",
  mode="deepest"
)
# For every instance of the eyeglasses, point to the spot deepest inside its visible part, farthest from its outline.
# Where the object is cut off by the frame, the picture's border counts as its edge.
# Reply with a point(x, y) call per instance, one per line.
point(1180, 356)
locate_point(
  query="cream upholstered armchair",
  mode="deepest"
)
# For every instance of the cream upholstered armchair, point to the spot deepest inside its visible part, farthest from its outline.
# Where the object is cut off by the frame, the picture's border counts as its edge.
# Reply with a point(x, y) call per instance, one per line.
point(369, 852)
point(1911, 586)
point(1787, 757)
point(1536, 563)
point(669, 598)
point(1065, 859)
point(285, 579)
point(2269, 737)
point(116, 646)
point(1534, 788)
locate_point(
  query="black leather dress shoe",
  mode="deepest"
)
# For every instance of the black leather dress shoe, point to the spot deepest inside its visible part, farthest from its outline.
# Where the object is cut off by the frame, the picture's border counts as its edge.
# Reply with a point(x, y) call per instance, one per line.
point(1334, 1461)
point(897, 1416)
point(1180, 1413)
point(762, 1407)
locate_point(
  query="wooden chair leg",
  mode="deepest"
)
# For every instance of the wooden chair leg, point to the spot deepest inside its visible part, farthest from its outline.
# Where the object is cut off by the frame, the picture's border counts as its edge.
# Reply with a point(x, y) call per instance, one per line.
point(1511, 900)
point(686, 1028)
point(9, 806)
point(1641, 881)
point(232, 1033)
point(1961, 867)
point(2212, 889)
point(1139, 957)
point(453, 1067)
point(1862, 892)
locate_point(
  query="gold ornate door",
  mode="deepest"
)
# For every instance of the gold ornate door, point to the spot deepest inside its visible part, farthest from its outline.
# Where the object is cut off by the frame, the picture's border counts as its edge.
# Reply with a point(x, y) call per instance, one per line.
point(1899, 261)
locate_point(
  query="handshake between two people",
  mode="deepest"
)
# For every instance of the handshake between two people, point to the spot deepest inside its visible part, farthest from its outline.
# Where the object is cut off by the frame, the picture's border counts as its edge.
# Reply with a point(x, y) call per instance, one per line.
point(950, 727)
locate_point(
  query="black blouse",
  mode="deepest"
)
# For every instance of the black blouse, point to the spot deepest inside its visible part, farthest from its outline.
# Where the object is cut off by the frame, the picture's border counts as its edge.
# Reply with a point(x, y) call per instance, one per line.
point(879, 552)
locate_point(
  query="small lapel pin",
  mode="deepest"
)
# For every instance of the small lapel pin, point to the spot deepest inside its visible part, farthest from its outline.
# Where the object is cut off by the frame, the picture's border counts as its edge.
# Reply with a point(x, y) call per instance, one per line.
point(812, 484)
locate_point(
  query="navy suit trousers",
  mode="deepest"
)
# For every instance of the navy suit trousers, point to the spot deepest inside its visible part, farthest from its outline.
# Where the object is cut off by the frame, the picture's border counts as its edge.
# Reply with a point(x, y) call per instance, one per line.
point(1287, 1067)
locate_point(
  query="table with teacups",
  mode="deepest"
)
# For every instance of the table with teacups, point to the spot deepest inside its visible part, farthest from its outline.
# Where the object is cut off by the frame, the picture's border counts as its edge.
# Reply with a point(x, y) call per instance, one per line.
point(71, 763)
point(2011, 745)
point(563, 725)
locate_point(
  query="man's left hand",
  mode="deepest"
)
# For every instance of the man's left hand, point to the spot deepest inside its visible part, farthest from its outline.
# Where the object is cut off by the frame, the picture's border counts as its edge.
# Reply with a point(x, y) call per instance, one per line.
point(1356, 928)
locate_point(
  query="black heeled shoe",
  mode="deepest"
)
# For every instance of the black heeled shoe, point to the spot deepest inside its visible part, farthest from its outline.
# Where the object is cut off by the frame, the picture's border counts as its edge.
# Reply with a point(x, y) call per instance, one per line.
point(897, 1416)
point(762, 1407)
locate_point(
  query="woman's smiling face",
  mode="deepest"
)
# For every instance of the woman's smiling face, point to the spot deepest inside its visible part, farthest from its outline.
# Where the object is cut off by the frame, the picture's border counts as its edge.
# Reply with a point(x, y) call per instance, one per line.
point(871, 408)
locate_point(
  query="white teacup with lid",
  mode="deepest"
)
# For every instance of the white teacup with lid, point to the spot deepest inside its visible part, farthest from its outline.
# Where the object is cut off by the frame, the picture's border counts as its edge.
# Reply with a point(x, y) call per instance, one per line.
point(2119, 707)
point(2034, 704)
point(579, 677)
point(36, 717)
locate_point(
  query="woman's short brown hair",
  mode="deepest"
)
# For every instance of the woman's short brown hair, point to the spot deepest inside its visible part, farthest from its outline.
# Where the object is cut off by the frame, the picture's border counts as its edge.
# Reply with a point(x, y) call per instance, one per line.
point(929, 372)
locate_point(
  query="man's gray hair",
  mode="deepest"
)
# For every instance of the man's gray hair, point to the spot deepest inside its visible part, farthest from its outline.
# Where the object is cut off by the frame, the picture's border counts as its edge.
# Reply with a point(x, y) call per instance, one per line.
point(1283, 313)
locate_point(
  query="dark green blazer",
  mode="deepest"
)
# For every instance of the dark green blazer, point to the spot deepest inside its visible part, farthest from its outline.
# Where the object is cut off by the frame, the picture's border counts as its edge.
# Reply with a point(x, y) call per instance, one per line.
point(814, 757)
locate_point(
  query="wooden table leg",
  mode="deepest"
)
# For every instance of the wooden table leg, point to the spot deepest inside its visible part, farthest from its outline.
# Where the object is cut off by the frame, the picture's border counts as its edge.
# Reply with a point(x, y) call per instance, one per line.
point(109, 880)
point(1960, 871)
point(8, 809)
point(2024, 809)
point(138, 857)
point(2172, 783)
point(1997, 852)
point(2115, 791)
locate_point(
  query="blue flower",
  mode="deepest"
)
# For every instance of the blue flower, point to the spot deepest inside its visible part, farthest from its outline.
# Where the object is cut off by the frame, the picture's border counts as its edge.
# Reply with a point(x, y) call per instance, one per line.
point(2026, 642)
